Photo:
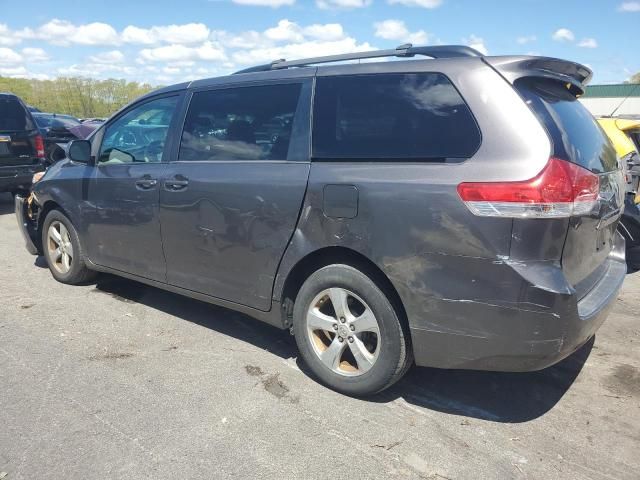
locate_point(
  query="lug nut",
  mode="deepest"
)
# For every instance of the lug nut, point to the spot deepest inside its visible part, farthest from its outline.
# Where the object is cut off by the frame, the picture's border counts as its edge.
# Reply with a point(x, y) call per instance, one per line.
point(340, 339)
point(350, 339)
point(342, 320)
point(352, 328)
point(335, 326)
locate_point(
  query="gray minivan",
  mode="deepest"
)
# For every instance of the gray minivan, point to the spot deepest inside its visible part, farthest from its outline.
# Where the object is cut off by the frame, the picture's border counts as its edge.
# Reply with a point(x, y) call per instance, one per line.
point(456, 211)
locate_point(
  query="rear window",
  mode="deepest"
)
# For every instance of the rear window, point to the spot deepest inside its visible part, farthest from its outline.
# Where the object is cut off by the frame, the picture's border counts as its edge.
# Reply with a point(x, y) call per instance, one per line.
point(13, 115)
point(392, 117)
point(575, 134)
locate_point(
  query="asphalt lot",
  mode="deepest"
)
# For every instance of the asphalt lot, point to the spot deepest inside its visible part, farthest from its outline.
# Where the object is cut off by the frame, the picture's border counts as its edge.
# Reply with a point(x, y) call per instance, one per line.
point(120, 380)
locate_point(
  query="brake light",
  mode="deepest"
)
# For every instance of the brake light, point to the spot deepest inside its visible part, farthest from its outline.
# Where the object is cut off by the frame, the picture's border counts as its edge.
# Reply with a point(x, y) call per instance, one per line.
point(39, 142)
point(561, 189)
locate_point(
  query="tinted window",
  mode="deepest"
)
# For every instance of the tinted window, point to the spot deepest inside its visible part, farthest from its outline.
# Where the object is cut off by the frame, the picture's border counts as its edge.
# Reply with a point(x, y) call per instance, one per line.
point(392, 116)
point(575, 134)
point(245, 123)
point(13, 115)
point(139, 135)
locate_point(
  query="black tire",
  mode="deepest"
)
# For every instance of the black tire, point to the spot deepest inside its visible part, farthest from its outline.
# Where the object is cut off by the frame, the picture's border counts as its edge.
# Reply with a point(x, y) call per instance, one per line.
point(394, 356)
point(78, 272)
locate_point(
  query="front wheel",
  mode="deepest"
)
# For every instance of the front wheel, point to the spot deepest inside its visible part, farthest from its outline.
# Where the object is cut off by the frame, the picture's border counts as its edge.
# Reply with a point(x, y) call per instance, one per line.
point(63, 251)
point(348, 332)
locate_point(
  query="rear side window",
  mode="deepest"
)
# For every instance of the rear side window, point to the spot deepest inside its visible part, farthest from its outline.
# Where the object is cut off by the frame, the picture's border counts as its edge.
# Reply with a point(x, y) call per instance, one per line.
point(13, 115)
point(417, 116)
point(243, 123)
point(575, 134)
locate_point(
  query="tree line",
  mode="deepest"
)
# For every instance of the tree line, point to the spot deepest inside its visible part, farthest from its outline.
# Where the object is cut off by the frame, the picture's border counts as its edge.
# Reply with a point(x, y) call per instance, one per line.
point(80, 97)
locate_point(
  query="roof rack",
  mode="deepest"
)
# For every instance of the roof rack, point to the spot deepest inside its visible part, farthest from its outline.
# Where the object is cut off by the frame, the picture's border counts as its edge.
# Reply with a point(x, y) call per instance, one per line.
point(406, 50)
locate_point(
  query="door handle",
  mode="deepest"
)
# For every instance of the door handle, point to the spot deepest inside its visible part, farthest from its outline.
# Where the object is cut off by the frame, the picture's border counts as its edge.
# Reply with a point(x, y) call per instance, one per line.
point(176, 184)
point(146, 183)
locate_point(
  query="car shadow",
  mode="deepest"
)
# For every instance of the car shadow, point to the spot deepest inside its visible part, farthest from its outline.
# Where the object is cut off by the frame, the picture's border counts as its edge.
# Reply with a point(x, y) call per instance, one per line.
point(6, 204)
point(493, 396)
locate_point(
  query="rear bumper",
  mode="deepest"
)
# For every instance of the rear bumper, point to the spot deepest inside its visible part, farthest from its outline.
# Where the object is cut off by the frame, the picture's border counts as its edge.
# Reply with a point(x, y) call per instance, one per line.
point(526, 336)
point(16, 178)
point(25, 225)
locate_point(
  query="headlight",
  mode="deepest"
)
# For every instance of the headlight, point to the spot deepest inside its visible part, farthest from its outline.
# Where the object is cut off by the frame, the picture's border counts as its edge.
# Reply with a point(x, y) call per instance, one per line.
point(37, 176)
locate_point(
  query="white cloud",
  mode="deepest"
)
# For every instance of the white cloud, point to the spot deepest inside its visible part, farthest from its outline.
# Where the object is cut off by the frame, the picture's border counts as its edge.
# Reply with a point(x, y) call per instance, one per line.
point(476, 43)
point(526, 39)
point(417, 3)
point(63, 33)
point(265, 3)
point(629, 7)
point(113, 56)
point(15, 72)
point(181, 34)
point(588, 43)
point(299, 50)
point(96, 33)
point(346, 4)
point(176, 53)
point(563, 35)
point(32, 54)
point(9, 56)
point(328, 31)
point(397, 30)
point(285, 31)
point(6, 36)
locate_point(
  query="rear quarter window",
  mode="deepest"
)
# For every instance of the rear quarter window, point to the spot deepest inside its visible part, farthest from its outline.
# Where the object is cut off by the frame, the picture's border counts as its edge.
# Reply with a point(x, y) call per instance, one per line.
point(415, 117)
point(13, 115)
point(575, 134)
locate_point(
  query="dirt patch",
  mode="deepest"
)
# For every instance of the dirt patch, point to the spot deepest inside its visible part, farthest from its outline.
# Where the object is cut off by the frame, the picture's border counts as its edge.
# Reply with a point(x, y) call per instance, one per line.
point(625, 380)
point(112, 356)
point(272, 383)
point(27, 306)
point(253, 370)
point(274, 386)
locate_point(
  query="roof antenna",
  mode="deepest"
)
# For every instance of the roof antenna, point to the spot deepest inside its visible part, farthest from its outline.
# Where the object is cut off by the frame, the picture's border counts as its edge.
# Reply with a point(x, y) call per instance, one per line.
point(625, 99)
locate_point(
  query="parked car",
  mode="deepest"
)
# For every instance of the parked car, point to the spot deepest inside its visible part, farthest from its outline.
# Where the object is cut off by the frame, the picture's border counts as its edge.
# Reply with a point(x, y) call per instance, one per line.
point(21, 145)
point(58, 130)
point(625, 136)
point(455, 212)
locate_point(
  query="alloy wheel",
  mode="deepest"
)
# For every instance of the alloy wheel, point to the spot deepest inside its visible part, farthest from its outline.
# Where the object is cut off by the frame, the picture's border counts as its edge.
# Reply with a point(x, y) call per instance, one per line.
point(59, 247)
point(343, 332)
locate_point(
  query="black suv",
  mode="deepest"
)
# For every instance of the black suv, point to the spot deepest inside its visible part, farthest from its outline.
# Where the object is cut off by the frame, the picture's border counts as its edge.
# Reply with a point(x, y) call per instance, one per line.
point(458, 211)
point(21, 145)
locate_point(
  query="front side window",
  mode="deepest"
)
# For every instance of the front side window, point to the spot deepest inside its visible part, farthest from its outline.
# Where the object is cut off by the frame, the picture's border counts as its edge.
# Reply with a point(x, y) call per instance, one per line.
point(395, 117)
point(140, 134)
point(243, 123)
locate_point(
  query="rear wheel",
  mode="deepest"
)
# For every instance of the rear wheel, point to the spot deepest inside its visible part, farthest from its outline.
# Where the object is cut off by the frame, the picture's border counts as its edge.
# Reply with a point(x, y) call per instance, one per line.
point(348, 332)
point(63, 251)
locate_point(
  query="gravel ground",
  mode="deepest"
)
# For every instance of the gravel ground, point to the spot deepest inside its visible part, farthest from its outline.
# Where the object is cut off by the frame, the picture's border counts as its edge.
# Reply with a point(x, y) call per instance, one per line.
point(120, 380)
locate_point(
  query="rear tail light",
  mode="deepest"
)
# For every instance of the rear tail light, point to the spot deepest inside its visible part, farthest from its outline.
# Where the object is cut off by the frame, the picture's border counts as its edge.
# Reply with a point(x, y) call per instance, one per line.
point(39, 142)
point(561, 189)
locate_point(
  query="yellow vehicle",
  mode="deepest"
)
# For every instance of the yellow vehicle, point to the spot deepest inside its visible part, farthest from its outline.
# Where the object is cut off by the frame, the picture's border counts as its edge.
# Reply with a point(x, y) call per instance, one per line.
point(625, 136)
point(623, 133)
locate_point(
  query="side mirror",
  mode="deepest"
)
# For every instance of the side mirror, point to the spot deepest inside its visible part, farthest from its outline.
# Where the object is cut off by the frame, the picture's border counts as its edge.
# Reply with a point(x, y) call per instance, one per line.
point(80, 151)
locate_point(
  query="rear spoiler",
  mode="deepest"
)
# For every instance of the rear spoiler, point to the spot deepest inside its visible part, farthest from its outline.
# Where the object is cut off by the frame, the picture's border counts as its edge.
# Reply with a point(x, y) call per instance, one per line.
point(514, 68)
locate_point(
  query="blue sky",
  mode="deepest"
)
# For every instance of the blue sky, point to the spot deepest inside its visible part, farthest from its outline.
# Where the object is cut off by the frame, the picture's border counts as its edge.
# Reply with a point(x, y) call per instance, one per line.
point(163, 42)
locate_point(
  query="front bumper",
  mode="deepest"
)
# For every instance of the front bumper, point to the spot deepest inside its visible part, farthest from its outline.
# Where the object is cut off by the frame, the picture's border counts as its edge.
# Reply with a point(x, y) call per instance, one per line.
point(483, 335)
point(26, 225)
point(18, 178)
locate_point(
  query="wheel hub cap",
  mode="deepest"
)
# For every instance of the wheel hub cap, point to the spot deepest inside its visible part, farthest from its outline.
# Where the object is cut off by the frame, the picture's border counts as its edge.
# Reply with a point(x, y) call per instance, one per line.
point(343, 332)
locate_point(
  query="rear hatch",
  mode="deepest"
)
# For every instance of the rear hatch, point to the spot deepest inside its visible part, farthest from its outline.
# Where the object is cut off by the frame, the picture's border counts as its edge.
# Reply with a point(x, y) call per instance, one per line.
point(576, 137)
point(17, 133)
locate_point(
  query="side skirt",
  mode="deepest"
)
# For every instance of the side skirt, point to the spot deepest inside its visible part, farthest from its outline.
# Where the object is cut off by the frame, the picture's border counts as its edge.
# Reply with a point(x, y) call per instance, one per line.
point(273, 317)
